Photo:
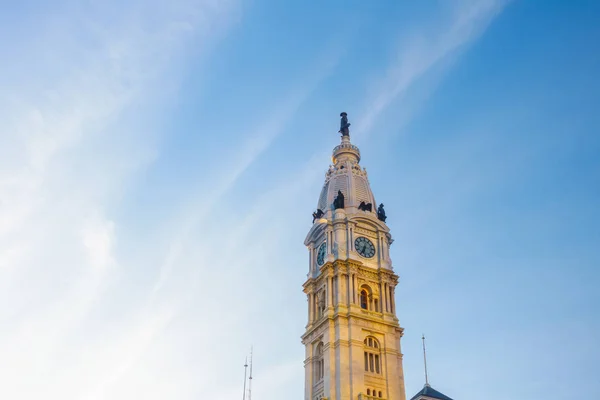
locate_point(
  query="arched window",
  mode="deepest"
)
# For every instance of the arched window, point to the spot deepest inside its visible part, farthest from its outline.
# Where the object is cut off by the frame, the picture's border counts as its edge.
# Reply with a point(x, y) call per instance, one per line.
point(380, 396)
point(372, 355)
point(320, 299)
point(364, 299)
point(319, 362)
point(368, 392)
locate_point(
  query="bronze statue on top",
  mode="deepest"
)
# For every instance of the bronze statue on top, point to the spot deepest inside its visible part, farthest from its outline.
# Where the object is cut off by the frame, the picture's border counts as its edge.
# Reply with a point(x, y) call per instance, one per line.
point(344, 125)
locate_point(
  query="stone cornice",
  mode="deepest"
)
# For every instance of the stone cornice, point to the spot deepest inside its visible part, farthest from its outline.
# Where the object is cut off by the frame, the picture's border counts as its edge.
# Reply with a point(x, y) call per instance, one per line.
point(315, 234)
point(316, 325)
point(341, 267)
point(340, 343)
point(326, 269)
point(309, 285)
point(347, 267)
point(371, 220)
point(355, 316)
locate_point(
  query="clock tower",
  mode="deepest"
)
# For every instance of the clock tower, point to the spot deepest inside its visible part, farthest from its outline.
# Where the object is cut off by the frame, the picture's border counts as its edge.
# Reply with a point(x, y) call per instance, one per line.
point(352, 337)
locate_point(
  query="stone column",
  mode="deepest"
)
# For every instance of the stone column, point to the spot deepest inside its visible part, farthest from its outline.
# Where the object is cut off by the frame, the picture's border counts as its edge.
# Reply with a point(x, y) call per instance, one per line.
point(339, 229)
point(348, 239)
point(341, 291)
point(330, 291)
point(310, 312)
point(351, 287)
point(386, 248)
point(347, 286)
point(387, 295)
point(308, 374)
point(381, 299)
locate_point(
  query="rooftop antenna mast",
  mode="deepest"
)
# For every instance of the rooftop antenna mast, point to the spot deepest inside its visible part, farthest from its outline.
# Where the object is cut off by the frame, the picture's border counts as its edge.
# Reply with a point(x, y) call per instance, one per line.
point(250, 378)
point(424, 361)
point(245, 372)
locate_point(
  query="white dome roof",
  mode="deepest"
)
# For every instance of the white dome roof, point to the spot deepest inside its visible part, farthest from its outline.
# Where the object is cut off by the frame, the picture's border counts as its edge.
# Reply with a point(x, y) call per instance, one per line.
point(347, 176)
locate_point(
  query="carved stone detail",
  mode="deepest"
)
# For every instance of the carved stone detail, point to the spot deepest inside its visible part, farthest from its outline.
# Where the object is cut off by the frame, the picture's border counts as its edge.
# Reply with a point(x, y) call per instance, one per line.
point(365, 232)
point(373, 276)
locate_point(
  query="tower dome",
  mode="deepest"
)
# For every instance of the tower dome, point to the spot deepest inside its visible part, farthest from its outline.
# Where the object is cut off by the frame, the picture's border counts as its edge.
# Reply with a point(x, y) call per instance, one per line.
point(347, 176)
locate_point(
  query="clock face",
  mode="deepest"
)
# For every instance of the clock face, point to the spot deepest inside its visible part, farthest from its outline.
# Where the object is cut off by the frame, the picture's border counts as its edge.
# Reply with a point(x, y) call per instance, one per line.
point(364, 247)
point(321, 253)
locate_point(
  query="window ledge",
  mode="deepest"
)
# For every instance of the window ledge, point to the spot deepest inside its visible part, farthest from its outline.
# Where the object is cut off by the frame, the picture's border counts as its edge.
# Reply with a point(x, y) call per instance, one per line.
point(362, 396)
point(369, 312)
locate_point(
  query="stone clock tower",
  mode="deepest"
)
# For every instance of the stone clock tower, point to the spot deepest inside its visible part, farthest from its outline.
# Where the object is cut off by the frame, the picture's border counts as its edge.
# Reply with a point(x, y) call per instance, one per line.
point(352, 337)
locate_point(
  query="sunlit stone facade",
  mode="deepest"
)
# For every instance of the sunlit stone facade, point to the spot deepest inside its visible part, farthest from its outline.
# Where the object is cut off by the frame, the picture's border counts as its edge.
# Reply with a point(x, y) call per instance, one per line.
point(352, 337)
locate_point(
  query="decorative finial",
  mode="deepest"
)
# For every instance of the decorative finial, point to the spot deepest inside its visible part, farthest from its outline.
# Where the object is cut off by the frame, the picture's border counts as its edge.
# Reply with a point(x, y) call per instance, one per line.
point(425, 361)
point(344, 125)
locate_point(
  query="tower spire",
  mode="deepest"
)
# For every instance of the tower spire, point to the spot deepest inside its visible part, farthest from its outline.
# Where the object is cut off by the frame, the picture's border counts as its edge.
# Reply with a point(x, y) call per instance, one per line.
point(425, 361)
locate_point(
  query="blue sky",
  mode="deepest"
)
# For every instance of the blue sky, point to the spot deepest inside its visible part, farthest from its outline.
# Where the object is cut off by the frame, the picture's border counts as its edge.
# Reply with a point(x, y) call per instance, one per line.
point(160, 162)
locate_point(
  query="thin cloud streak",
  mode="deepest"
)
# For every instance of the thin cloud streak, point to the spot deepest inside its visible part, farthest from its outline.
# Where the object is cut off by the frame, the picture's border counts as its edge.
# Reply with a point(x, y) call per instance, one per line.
point(186, 251)
point(423, 53)
point(260, 140)
point(57, 238)
point(414, 62)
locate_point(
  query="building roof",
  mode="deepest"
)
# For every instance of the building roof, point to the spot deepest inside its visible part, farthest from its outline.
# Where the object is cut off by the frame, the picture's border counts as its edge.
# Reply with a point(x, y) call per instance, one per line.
point(430, 392)
point(346, 176)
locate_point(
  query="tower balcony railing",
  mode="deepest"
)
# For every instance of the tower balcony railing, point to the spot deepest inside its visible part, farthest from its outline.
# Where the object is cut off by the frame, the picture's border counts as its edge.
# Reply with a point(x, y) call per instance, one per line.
point(346, 146)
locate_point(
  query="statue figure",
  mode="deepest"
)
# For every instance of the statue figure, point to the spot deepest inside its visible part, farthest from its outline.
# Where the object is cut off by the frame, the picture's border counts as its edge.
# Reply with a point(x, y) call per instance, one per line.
point(338, 202)
point(318, 214)
point(344, 125)
point(381, 213)
point(365, 206)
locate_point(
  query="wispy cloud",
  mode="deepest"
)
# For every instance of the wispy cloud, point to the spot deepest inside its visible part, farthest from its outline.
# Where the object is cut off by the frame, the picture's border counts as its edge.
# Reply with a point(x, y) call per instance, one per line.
point(258, 140)
point(70, 142)
point(73, 143)
point(426, 50)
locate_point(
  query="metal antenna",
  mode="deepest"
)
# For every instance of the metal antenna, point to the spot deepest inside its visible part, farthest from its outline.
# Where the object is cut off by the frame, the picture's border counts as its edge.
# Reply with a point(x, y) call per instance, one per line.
point(425, 361)
point(250, 378)
point(245, 371)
